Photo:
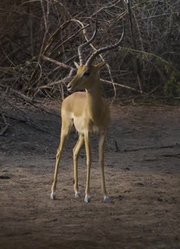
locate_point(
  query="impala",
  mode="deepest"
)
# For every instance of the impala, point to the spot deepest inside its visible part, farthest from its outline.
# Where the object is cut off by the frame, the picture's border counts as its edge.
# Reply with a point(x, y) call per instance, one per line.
point(88, 112)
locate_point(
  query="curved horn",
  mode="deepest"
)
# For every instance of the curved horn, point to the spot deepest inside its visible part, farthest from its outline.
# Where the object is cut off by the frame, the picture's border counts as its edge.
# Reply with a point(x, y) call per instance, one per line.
point(102, 50)
point(82, 46)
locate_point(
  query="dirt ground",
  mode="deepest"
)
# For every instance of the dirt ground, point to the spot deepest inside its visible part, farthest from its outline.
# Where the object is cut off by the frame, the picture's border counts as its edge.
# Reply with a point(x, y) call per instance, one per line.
point(142, 173)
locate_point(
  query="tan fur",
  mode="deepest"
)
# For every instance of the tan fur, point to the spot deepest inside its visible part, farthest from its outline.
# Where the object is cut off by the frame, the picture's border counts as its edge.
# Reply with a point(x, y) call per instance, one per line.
point(88, 112)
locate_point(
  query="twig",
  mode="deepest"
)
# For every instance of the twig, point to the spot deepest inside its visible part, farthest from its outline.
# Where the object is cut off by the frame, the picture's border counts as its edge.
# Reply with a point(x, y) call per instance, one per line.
point(18, 93)
point(69, 38)
point(137, 63)
point(105, 7)
point(4, 129)
point(29, 122)
point(121, 85)
point(151, 148)
point(60, 64)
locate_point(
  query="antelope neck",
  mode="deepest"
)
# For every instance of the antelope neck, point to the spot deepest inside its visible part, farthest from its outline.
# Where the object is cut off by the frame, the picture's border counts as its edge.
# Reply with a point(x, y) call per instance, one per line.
point(94, 102)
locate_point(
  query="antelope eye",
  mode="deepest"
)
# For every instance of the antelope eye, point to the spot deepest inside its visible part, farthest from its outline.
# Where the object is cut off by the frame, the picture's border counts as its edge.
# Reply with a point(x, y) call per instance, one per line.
point(86, 74)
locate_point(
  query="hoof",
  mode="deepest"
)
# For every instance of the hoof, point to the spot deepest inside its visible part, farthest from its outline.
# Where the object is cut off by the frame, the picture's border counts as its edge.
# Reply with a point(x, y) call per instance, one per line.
point(87, 199)
point(106, 199)
point(53, 196)
point(77, 194)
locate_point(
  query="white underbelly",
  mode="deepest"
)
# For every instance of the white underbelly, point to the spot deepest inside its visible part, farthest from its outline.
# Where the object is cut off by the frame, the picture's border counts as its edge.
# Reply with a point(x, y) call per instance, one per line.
point(82, 126)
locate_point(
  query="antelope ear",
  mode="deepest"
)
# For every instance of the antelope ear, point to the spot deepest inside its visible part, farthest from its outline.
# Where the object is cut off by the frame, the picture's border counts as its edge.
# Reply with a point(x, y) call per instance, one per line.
point(76, 64)
point(100, 65)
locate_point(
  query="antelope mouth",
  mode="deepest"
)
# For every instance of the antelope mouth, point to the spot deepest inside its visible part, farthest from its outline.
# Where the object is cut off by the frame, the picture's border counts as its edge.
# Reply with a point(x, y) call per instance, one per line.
point(71, 88)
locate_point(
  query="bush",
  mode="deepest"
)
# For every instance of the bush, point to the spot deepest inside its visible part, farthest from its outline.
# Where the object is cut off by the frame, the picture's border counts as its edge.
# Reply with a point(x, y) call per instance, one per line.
point(33, 31)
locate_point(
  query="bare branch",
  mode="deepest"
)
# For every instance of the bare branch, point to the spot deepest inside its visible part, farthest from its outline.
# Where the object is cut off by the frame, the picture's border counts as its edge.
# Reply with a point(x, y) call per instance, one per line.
point(60, 64)
point(121, 85)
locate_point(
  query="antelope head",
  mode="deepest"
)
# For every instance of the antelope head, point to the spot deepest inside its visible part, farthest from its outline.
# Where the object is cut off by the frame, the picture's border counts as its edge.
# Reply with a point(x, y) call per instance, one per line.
point(86, 77)
point(87, 74)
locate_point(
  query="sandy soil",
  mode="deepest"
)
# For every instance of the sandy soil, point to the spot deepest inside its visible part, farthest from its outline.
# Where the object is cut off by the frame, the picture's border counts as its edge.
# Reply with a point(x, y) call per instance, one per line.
point(143, 179)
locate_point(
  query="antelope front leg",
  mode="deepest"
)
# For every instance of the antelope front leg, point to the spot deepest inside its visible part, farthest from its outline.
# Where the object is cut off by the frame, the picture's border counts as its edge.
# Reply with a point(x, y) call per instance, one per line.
point(101, 162)
point(58, 158)
point(88, 162)
point(76, 152)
